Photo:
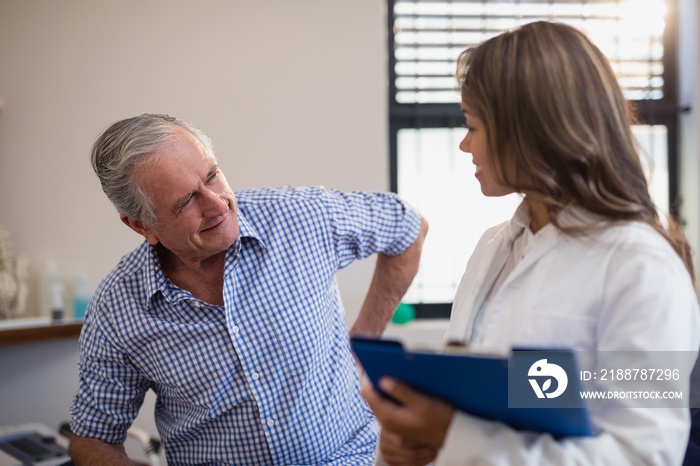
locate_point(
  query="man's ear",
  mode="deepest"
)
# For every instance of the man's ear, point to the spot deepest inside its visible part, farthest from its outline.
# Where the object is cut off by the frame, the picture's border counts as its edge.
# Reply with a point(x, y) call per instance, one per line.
point(141, 228)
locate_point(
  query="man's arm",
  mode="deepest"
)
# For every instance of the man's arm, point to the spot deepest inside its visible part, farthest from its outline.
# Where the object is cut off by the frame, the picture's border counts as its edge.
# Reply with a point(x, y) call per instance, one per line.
point(86, 451)
point(392, 277)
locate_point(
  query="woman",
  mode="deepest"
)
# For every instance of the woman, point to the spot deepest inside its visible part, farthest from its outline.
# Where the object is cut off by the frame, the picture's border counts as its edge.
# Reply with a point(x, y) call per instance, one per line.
point(584, 263)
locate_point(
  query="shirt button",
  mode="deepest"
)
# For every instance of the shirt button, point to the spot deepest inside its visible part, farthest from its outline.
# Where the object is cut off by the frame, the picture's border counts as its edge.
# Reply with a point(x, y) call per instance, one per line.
point(256, 376)
point(235, 329)
point(270, 422)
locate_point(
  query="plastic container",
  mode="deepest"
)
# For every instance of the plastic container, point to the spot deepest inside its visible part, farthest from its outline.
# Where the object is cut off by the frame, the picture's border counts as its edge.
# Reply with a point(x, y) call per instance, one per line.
point(81, 296)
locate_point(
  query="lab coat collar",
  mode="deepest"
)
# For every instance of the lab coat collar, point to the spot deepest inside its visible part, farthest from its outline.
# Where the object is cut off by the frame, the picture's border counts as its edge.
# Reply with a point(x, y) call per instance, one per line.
point(573, 216)
point(493, 257)
point(494, 253)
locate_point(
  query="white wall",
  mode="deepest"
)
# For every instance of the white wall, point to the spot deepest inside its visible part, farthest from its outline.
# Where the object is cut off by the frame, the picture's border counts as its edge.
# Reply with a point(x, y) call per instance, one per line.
point(290, 92)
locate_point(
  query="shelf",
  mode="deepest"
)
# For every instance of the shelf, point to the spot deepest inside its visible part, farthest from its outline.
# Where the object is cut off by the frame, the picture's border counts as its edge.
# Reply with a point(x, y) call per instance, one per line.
point(19, 331)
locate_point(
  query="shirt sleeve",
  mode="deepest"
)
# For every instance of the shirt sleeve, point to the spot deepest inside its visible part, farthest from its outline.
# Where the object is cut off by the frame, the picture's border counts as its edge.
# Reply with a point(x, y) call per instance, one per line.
point(648, 306)
point(365, 223)
point(111, 390)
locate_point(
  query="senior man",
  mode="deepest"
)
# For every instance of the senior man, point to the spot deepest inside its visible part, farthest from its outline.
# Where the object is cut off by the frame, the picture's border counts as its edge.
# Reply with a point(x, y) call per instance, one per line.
point(229, 310)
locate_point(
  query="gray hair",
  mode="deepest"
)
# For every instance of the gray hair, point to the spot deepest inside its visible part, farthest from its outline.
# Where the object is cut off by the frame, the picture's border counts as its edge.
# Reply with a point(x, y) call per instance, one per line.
point(128, 144)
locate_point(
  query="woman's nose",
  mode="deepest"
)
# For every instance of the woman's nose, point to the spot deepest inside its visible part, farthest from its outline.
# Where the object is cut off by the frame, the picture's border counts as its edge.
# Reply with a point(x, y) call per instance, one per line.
point(464, 146)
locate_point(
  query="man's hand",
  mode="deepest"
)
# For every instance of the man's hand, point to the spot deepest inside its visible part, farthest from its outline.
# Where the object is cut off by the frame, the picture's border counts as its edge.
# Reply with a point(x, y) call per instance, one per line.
point(392, 277)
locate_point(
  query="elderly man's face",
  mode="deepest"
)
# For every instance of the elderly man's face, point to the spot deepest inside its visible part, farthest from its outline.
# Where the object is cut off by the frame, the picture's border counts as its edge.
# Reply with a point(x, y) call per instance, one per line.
point(194, 205)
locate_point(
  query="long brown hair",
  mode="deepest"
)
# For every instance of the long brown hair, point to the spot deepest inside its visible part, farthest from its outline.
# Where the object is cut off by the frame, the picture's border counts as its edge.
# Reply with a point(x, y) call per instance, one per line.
point(552, 106)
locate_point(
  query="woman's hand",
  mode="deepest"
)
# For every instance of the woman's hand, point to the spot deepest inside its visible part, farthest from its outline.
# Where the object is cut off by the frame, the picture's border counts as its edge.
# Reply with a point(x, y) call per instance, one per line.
point(397, 451)
point(417, 424)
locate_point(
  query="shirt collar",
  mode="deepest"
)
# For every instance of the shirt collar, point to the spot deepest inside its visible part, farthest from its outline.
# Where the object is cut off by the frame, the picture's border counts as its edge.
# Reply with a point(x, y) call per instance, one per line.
point(573, 216)
point(155, 277)
point(520, 221)
point(247, 230)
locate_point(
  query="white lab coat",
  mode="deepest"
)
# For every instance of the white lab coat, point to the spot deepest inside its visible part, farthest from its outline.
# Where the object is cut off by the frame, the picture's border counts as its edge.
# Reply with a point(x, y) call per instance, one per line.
point(622, 288)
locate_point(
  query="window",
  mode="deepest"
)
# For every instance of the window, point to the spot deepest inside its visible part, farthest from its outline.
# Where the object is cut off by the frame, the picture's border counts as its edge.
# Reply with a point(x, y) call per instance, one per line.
point(426, 125)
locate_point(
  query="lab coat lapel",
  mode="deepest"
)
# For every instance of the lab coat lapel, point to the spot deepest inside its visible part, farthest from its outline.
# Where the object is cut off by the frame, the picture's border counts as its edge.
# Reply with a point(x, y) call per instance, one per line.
point(497, 253)
point(505, 308)
point(493, 257)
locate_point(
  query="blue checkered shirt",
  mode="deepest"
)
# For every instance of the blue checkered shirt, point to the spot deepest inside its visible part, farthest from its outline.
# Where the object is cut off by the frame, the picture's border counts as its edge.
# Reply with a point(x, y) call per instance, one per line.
point(267, 378)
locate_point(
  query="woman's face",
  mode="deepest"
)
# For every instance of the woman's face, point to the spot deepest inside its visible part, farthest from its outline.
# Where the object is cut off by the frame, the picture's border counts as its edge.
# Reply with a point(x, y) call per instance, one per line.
point(476, 143)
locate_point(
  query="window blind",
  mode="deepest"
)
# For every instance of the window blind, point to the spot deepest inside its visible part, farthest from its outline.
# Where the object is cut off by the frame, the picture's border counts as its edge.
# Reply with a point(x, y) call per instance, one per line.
point(429, 36)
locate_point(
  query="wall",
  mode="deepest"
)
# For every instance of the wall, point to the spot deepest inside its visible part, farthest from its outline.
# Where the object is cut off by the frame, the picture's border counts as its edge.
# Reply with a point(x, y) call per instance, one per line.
point(290, 92)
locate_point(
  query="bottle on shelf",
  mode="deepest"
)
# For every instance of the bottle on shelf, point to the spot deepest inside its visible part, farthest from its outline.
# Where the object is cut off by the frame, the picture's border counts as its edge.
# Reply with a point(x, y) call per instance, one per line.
point(81, 296)
point(57, 312)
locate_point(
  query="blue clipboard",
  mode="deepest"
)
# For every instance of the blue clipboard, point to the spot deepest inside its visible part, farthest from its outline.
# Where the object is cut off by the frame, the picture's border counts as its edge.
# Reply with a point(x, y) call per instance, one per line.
point(477, 384)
